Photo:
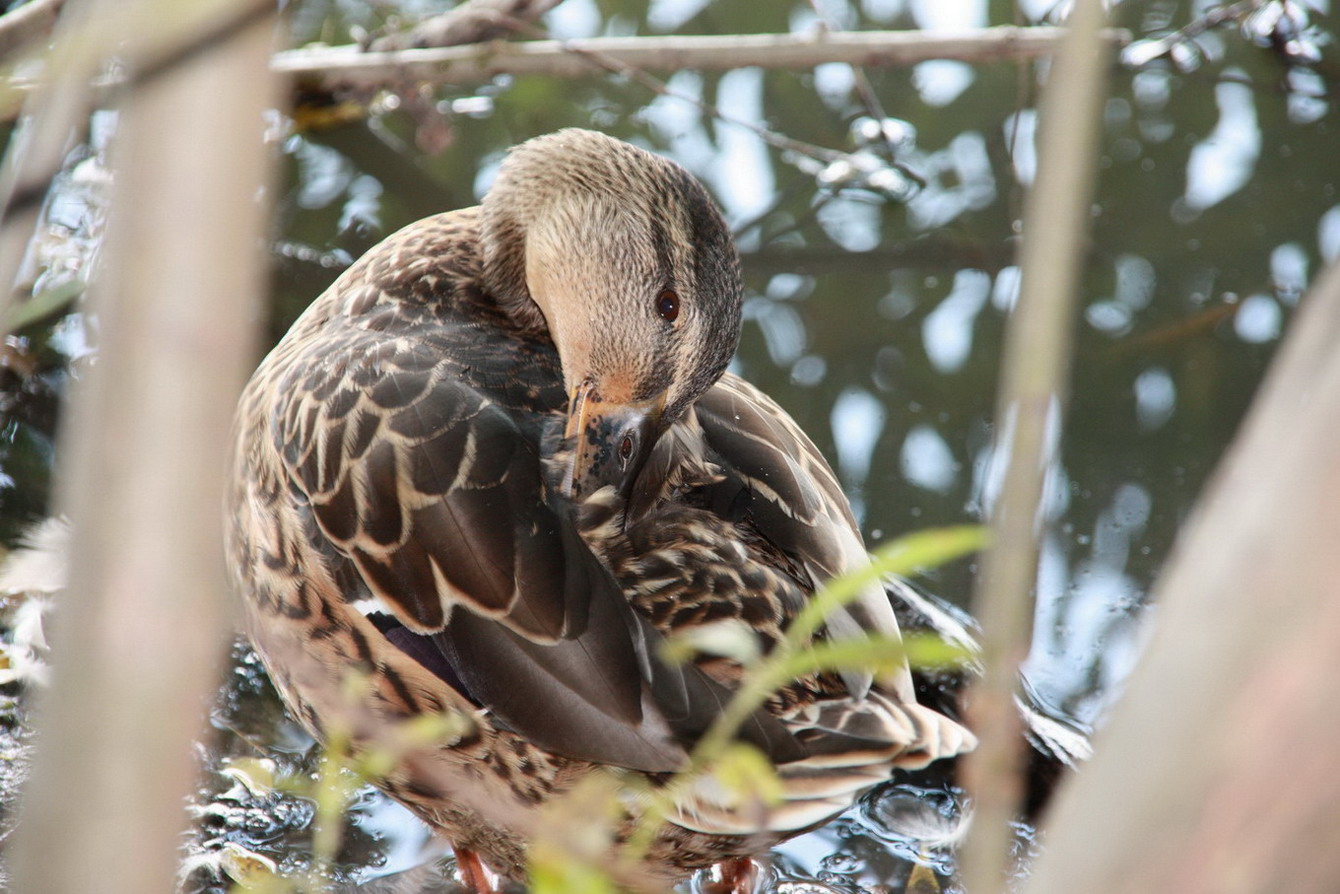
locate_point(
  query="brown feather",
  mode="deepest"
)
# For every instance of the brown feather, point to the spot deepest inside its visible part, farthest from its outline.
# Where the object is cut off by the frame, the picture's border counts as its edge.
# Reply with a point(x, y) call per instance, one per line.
point(395, 455)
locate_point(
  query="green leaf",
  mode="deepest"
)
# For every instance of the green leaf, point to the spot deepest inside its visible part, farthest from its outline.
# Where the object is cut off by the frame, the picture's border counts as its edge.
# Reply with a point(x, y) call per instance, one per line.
point(43, 305)
point(728, 638)
point(911, 554)
point(923, 550)
point(574, 840)
point(748, 776)
point(554, 871)
point(878, 654)
point(928, 651)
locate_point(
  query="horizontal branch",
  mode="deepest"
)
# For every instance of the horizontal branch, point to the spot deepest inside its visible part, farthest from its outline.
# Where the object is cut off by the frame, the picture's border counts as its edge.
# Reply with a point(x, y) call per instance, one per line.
point(470, 22)
point(351, 67)
point(26, 24)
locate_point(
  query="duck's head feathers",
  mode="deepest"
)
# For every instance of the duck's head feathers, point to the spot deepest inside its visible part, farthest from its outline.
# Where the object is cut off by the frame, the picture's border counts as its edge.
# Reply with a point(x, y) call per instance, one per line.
point(624, 259)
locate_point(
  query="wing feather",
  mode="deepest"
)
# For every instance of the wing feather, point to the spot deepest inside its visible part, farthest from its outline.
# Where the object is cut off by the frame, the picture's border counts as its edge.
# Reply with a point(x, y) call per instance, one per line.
point(434, 497)
point(798, 505)
point(411, 436)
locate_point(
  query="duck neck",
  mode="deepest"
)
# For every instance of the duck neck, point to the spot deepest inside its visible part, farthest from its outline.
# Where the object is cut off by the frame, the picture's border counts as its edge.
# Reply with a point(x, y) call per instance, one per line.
point(503, 240)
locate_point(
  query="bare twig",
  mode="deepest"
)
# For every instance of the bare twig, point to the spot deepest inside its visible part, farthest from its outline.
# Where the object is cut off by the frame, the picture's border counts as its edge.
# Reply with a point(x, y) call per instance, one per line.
point(865, 91)
point(474, 21)
point(142, 629)
point(1036, 358)
point(29, 23)
point(62, 103)
point(335, 68)
point(615, 65)
point(1023, 82)
point(1146, 51)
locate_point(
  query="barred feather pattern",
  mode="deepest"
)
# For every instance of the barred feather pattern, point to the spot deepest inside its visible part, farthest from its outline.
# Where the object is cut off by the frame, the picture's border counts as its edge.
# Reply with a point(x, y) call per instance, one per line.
point(391, 522)
point(685, 563)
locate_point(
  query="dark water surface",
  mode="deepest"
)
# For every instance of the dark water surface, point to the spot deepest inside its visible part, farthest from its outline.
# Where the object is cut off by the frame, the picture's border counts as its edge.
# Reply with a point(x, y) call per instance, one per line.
point(875, 302)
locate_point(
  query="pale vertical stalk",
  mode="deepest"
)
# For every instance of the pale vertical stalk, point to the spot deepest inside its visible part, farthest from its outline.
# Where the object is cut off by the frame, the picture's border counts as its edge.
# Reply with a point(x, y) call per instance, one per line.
point(1216, 771)
point(27, 24)
point(1034, 368)
point(141, 631)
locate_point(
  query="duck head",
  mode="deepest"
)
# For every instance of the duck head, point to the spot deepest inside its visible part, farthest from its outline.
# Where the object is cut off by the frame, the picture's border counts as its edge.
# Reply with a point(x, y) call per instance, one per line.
point(624, 259)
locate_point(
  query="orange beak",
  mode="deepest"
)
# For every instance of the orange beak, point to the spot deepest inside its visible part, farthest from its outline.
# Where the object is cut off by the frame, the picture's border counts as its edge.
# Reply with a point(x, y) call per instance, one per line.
point(611, 440)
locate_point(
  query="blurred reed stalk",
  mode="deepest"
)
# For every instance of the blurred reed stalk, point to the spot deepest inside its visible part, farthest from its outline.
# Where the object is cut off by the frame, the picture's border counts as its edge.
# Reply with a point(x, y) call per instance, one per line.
point(1216, 770)
point(141, 632)
point(1028, 424)
point(24, 25)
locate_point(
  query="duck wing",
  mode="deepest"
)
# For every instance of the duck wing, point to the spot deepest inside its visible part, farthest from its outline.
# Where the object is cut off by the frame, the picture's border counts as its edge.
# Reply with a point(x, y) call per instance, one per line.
point(797, 505)
point(411, 438)
point(758, 472)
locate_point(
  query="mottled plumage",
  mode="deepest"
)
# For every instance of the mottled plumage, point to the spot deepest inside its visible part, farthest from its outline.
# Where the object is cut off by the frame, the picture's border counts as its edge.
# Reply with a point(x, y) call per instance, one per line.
point(497, 462)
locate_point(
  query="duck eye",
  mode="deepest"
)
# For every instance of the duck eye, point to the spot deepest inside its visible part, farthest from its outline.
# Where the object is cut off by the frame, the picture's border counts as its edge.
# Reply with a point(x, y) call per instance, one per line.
point(667, 305)
point(626, 449)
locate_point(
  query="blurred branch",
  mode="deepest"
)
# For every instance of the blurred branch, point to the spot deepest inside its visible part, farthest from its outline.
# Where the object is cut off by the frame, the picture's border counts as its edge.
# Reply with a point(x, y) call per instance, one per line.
point(58, 105)
point(474, 21)
point(1216, 770)
point(57, 109)
point(1036, 358)
point(1145, 51)
point(338, 68)
point(25, 25)
point(61, 101)
point(595, 59)
point(861, 82)
point(143, 627)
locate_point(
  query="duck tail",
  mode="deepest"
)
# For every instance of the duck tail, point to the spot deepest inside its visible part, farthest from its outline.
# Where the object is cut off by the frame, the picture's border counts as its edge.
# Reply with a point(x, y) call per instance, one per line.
point(853, 745)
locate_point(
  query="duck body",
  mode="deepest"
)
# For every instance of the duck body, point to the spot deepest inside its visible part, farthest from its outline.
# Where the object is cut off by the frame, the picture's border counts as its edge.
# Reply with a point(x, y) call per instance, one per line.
point(429, 501)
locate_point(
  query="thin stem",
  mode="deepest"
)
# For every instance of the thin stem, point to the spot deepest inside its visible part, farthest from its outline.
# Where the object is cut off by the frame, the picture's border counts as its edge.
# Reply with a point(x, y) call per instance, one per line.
point(1032, 392)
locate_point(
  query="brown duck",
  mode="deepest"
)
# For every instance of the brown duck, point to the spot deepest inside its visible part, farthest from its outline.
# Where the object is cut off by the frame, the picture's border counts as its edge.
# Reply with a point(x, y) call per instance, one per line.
point(498, 462)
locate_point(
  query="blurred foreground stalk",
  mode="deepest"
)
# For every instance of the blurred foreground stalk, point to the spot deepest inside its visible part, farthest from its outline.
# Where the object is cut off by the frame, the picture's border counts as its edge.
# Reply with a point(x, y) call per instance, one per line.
point(140, 633)
point(1216, 772)
point(1028, 419)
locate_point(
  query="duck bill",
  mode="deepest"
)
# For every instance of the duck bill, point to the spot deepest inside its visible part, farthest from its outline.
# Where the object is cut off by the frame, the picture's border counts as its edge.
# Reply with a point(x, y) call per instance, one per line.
point(610, 440)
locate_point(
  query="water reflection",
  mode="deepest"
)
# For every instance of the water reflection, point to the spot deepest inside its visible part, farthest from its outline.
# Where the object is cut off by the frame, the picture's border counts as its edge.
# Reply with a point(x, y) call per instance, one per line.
point(926, 460)
point(941, 81)
point(1084, 610)
point(834, 82)
point(781, 326)
point(857, 420)
point(1258, 320)
point(1155, 398)
point(955, 15)
point(1222, 163)
point(947, 331)
point(741, 174)
point(1328, 234)
point(958, 179)
point(1288, 269)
